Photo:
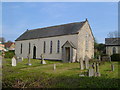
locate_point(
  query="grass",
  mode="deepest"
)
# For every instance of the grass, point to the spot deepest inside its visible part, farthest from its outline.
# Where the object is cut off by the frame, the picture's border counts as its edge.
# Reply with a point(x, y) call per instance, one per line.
point(66, 75)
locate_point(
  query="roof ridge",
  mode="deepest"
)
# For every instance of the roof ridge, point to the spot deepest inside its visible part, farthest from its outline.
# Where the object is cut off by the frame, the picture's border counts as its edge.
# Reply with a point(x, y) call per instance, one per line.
point(56, 26)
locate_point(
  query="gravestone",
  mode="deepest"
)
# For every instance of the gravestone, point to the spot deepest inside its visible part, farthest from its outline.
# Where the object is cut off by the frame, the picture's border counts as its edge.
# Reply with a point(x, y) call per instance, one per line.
point(109, 59)
point(14, 61)
point(91, 72)
point(97, 73)
point(22, 58)
point(42, 59)
point(54, 66)
point(81, 64)
point(112, 67)
point(29, 61)
point(86, 62)
point(19, 59)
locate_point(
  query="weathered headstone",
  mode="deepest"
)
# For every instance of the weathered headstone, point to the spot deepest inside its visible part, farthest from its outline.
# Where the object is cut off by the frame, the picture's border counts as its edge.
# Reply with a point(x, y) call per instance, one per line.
point(54, 66)
point(112, 67)
point(14, 61)
point(29, 63)
point(97, 73)
point(86, 63)
point(22, 58)
point(81, 64)
point(91, 72)
point(110, 59)
point(42, 59)
point(19, 59)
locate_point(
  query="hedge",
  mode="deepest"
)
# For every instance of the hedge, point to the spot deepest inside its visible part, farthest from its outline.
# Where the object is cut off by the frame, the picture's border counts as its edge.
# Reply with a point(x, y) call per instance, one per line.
point(9, 54)
point(115, 57)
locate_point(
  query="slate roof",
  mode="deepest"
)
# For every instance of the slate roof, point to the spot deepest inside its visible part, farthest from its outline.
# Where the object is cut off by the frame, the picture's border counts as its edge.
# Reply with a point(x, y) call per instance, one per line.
point(112, 41)
point(65, 29)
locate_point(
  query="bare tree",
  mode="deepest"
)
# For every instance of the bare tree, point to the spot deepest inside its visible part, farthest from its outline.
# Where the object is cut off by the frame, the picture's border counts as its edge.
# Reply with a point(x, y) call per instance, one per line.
point(113, 34)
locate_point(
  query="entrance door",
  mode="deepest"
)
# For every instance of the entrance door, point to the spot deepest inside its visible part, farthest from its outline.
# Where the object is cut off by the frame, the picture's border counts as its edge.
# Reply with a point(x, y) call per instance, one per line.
point(34, 52)
point(67, 53)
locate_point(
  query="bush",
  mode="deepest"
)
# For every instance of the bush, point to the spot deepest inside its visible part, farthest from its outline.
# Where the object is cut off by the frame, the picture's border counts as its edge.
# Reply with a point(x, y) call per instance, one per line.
point(115, 57)
point(9, 54)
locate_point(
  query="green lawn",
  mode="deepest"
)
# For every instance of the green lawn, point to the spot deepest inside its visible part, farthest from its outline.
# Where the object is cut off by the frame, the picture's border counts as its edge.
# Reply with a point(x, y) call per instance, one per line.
point(66, 75)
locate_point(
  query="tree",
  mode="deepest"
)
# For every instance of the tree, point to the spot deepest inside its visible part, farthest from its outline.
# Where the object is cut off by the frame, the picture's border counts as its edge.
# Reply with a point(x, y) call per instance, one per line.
point(2, 39)
point(99, 49)
point(113, 34)
point(9, 41)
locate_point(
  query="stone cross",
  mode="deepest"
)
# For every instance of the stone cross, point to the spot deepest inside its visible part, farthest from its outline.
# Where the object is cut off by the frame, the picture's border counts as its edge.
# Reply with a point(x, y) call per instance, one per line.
point(54, 67)
point(14, 61)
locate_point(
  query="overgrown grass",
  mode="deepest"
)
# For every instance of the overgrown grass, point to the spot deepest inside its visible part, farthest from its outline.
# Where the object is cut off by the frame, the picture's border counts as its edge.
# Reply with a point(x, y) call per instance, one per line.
point(66, 75)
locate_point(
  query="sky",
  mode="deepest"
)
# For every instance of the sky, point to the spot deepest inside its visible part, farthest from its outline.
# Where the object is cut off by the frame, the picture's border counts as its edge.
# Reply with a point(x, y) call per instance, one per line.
point(17, 17)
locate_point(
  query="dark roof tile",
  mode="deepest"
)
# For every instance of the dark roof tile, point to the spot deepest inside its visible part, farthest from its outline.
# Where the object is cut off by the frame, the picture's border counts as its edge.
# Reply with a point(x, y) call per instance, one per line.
point(65, 29)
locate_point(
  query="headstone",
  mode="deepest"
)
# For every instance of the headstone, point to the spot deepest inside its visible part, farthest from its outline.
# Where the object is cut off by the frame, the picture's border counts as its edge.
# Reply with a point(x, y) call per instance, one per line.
point(86, 63)
point(110, 59)
point(81, 75)
point(19, 59)
point(42, 59)
point(29, 60)
point(99, 58)
point(54, 67)
point(14, 61)
point(22, 58)
point(81, 64)
point(97, 73)
point(91, 72)
point(112, 67)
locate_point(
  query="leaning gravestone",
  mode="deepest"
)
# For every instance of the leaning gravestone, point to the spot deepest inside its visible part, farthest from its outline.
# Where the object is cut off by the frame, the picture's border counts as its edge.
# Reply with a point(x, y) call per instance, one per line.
point(14, 61)
point(42, 59)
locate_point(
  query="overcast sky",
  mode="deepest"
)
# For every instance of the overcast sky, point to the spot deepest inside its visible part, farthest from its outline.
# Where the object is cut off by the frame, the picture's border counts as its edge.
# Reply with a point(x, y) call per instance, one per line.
point(20, 16)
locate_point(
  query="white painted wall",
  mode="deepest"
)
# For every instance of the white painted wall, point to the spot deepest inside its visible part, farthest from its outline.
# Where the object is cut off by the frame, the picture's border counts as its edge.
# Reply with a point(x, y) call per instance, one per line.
point(39, 45)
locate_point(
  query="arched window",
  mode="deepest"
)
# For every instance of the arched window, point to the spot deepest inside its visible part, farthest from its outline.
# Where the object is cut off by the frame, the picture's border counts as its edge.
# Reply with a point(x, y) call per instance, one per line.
point(29, 48)
point(21, 49)
point(51, 47)
point(58, 46)
point(114, 50)
point(44, 47)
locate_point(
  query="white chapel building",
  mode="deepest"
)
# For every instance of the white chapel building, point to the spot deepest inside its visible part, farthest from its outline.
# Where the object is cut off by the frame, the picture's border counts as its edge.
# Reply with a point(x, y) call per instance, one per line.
point(68, 42)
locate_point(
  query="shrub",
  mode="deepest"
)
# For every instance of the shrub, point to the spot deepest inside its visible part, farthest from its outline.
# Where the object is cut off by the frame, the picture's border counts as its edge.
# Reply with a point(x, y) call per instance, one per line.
point(9, 54)
point(115, 57)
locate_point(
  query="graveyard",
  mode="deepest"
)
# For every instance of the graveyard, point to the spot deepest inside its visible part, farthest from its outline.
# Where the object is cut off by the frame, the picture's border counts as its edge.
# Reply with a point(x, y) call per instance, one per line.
point(55, 74)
